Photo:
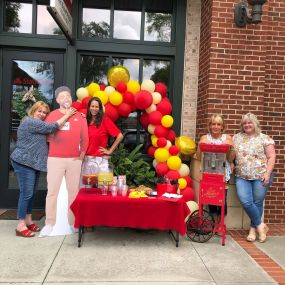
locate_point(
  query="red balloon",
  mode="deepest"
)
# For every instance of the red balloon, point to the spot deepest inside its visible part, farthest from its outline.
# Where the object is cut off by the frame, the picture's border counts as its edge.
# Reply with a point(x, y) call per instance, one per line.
point(155, 118)
point(173, 150)
point(77, 105)
point(161, 142)
point(144, 120)
point(121, 87)
point(171, 136)
point(188, 194)
point(102, 87)
point(129, 98)
point(161, 88)
point(111, 112)
point(83, 111)
point(124, 110)
point(85, 102)
point(151, 150)
point(143, 99)
point(164, 107)
point(189, 180)
point(161, 168)
point(161, 131)
point(173, 174)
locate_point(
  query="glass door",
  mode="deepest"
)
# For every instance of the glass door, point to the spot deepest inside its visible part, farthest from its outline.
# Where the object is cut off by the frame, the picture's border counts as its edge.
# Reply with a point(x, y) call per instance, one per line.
point(28, 77)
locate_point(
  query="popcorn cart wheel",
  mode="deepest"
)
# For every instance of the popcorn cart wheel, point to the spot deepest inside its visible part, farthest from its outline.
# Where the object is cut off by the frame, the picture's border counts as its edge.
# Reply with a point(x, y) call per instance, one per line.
point(200, 227)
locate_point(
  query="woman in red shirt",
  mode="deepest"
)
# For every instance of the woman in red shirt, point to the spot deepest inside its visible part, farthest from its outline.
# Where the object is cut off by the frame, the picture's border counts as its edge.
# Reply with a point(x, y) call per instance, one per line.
point(100, 127)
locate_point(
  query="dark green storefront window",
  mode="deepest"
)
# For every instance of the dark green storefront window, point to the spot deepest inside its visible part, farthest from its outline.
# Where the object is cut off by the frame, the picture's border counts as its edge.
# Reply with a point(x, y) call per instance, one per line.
point(127, 20)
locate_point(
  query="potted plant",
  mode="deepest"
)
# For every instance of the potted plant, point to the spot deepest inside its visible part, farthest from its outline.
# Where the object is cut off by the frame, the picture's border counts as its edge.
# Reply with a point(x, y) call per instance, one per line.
point(137, 171)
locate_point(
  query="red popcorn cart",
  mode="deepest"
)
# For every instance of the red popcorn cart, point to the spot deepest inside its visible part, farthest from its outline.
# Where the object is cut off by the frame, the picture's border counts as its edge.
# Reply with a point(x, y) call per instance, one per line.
point(201, 225)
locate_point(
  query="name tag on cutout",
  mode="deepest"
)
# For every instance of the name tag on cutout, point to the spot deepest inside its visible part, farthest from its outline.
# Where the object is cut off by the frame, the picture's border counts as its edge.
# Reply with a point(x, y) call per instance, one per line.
point(65, 127)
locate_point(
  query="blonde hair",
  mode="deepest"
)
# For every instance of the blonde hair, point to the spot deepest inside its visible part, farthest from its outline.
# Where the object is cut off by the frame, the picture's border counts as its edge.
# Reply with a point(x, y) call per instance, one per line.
point(253, 119)
point(36, 106)
point(218, 118)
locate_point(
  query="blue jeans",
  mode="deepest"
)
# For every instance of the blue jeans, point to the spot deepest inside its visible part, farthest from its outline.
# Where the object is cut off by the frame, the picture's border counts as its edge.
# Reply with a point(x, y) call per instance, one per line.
point(27, 179)
point(251, 194)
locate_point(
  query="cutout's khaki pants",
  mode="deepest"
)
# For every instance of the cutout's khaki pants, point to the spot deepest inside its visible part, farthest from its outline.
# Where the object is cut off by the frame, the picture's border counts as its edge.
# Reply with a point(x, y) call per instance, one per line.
point(57, 168)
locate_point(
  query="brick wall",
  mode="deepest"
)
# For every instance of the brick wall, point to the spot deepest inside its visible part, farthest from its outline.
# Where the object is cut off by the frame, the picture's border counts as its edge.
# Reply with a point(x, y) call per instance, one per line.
point(242, 70)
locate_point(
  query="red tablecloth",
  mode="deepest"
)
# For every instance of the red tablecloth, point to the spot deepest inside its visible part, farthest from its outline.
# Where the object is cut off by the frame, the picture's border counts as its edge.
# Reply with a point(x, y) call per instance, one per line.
point(91, 209)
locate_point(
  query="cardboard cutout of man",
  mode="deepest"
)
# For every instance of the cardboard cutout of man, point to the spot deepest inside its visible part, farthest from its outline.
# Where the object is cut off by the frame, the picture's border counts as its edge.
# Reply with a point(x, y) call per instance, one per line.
point(67, 148)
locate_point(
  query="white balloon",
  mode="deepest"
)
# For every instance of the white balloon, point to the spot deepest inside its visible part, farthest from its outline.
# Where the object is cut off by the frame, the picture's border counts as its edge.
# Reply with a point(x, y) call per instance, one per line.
point(151, 128)
point(156, 97)
point(151, 108)
point(82, 93)
point(148, 85)
point(154, 163)
point(168, 144)
point(184, 170)
point(193, 206)
point(109, 89)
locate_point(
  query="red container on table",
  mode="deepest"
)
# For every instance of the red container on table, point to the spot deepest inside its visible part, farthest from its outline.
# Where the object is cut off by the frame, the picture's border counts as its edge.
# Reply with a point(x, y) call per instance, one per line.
point(162, 188)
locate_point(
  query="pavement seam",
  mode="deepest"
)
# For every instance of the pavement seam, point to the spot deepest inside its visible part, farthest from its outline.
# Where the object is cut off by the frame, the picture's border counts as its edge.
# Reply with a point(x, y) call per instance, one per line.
point(55, 256)
point(204, 264)
point(273, 269)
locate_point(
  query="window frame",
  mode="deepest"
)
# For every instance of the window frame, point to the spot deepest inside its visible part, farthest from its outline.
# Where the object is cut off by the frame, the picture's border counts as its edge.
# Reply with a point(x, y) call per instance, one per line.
point(112, 39)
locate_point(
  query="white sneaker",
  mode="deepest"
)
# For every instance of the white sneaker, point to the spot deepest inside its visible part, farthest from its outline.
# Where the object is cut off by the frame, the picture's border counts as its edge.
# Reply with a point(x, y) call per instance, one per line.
point(73, 229)
point(46, 231)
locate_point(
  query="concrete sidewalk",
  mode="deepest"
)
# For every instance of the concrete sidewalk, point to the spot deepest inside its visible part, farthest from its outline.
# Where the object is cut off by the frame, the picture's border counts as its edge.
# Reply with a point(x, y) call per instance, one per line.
point(126, 256)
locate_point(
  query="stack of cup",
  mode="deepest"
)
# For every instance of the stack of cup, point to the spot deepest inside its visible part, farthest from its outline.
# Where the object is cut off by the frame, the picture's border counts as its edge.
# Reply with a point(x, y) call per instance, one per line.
point(122, 185)
point(113, 187)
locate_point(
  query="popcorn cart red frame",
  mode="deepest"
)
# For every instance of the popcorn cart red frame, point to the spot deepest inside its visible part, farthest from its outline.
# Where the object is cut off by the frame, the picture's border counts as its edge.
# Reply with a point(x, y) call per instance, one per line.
point(201, 225)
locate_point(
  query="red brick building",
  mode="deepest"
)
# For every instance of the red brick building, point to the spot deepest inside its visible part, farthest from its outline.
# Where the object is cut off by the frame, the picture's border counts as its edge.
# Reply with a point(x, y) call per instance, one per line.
point(243, 70)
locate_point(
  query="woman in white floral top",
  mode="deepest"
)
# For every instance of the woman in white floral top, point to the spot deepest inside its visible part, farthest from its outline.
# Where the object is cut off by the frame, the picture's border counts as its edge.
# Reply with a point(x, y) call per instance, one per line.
point(254, 163)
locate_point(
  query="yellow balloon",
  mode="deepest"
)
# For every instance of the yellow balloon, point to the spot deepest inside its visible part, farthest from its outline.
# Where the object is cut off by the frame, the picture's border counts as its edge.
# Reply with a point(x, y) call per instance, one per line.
point(102, 95)
point(118, 74)
point(153, 136)
point(174, 162)
point(167, 121)
point(133, 86)
point(161, 154)
point(148, 85)
point(154, 141)
point(182, 183)
point(116, 98)
point(92, 87)
point(81, 93)
point(186, 145)
point(184, 170)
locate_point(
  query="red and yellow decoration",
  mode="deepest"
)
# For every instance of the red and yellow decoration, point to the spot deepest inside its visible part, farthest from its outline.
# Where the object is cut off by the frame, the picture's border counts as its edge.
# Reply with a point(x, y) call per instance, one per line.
point(124, 96)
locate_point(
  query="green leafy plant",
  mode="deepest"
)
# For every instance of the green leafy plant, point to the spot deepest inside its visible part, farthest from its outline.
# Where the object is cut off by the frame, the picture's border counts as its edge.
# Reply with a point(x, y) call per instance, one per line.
point(131, 164)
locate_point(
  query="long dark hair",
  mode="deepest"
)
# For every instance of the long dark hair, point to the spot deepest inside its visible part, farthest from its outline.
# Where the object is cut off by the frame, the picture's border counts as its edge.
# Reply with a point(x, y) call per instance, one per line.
point(99, 117)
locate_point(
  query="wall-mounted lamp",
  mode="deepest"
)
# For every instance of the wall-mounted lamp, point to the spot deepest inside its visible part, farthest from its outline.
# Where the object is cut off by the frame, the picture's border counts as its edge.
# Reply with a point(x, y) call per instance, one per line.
point(242, 16)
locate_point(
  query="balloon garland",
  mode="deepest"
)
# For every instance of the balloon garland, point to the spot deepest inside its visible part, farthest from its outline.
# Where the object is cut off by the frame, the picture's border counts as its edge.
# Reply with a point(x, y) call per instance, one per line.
point(124, 96)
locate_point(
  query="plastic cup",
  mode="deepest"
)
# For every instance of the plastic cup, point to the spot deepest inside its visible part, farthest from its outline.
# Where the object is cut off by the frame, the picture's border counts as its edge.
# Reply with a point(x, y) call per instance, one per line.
point(104, 190)
point(124, 190)
point(114, 190)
